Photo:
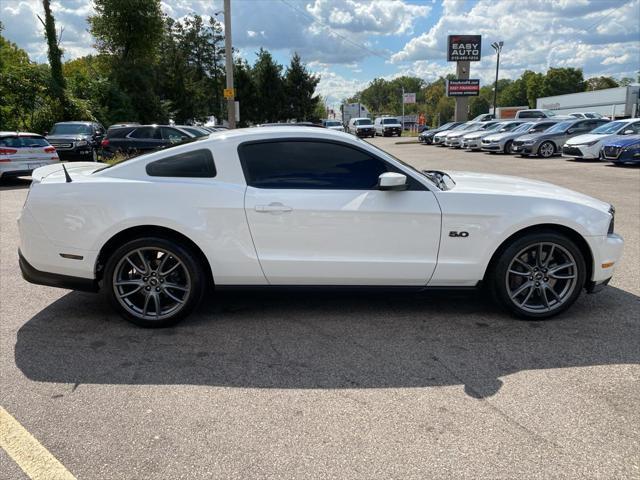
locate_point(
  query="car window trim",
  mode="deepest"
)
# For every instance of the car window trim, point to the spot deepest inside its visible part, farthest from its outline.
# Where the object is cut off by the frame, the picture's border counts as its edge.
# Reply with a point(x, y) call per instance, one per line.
point(419, 184)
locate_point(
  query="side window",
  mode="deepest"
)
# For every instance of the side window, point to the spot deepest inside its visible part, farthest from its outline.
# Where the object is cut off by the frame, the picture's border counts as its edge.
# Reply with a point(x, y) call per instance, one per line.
point(310, 165)
point(635, 127)
point(146, 133)
point(195, 164)
point(525, 115)
point(172, 134)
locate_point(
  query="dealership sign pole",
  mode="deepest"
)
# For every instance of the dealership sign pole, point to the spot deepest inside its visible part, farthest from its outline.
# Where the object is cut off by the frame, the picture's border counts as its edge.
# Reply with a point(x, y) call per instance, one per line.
point(463, 49)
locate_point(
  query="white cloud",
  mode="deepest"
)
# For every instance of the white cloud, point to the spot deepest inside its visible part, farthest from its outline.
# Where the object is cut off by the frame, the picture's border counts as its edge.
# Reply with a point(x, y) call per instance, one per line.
point(593, 35)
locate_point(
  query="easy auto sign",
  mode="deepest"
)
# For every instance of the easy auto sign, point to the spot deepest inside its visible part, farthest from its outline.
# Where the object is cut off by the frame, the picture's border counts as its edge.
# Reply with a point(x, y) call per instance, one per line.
point(469, 87)
point(464, 48)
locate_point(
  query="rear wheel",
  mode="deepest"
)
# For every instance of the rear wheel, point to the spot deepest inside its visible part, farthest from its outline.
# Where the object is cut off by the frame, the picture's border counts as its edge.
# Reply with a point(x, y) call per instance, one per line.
point(539, 275)
point(154, 282)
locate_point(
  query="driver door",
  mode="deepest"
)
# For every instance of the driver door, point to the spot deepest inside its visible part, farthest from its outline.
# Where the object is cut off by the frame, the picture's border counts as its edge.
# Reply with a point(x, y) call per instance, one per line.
point(317, 217)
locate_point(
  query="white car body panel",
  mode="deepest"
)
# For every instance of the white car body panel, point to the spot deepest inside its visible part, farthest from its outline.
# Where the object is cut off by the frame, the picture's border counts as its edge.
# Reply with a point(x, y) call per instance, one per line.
point(328, 237)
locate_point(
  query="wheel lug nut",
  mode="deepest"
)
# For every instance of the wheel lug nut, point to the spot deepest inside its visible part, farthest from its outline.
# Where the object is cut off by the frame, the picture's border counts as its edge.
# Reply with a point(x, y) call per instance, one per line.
point(546, 279)
point(537, 284)
point(530, 278)
point(157, 289)
point(145, 279)
point(147, 288)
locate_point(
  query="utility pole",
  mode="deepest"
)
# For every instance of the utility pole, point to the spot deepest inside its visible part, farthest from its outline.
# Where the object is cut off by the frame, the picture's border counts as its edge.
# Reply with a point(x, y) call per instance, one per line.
point(402, 131)
point(497, 46)
point(228, 52)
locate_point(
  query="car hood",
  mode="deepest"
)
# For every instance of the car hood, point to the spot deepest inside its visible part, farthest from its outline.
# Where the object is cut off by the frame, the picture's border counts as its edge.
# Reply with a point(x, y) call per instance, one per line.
point(589, 137)
point(363, 126)
point(485, 183)
point(623, 141)
point(538, 136)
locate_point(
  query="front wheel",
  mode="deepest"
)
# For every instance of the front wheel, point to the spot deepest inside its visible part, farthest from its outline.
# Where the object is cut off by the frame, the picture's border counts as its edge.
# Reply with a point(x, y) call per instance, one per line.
point(154, 282)
point(508, 148)
point(539, 275)
point(546, 150)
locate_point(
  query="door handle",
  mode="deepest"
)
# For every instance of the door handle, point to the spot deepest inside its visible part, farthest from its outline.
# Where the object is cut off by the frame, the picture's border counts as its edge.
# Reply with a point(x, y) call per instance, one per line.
point(274, 207)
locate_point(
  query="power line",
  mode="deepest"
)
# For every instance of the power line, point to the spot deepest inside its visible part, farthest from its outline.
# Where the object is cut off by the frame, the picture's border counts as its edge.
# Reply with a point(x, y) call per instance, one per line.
point(346, 39)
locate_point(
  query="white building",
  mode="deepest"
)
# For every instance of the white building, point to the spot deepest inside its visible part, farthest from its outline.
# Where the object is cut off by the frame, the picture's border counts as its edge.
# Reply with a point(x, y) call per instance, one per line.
point(620, 102)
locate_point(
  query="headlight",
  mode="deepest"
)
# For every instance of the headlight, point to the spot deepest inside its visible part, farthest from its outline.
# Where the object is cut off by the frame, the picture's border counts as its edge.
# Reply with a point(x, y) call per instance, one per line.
point(529, 142)
point(81, 143)
point(588, 144)
point(630, 147)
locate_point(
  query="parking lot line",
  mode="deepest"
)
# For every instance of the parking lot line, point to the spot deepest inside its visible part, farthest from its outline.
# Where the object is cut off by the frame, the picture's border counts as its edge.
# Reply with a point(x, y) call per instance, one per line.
point(28, 453)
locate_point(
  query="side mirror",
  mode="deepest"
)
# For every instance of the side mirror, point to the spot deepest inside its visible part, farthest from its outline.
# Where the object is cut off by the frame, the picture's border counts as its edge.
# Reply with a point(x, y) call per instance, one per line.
point(628, 132)
point(572, 130)
point(392, 181)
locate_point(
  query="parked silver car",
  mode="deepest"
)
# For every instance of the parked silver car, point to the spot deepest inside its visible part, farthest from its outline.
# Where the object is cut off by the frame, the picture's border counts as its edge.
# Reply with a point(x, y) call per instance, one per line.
point(22, 152)
point(502, 142)
point(439, 138)
point(473, 140)
point(455, 139)
point(549, 142)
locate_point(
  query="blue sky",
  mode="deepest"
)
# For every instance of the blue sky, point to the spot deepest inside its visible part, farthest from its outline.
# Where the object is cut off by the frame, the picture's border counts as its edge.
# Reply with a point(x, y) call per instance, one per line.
point(350, 42)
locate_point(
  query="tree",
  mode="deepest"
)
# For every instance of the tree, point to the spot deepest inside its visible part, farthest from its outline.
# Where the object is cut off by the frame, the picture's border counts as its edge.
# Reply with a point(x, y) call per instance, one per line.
point(130, 32)
point(559, 81)
point(270, 90)
point(600, 83)
point(444, 110)
point(478, 106)
point(246, 92)
point(299, 87)
point(54, 54)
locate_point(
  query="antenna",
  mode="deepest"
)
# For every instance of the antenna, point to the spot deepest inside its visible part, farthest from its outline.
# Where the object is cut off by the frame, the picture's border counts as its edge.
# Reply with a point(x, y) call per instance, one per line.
point(66, 174)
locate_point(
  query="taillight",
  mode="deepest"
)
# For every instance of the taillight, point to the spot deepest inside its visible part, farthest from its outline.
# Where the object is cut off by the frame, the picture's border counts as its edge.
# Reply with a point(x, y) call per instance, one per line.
point(49, 149)
point(8, 151)
point(104, 143)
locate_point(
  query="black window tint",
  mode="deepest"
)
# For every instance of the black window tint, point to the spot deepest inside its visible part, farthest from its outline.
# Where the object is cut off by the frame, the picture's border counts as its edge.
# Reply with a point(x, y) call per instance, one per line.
point(146, 133)
point(310, 165)
point(197, 164)
point(172, 134)
point(23, 142)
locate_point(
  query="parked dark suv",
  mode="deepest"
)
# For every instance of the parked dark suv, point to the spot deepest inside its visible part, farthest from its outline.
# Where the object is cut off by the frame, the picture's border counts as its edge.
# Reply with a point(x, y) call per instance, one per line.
point(143, 138)
point(76, 140)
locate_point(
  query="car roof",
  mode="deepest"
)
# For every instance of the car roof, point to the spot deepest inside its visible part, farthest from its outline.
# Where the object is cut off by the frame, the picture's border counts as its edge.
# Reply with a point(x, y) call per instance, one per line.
point(78, 122)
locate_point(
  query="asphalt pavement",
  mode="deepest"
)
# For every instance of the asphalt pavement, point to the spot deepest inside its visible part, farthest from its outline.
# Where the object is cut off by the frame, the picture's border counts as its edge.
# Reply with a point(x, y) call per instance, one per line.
point(334, 385)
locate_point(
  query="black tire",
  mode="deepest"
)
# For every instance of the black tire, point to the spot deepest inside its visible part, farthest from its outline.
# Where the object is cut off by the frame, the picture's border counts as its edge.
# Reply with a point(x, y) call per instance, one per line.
point(191, 269)
point(502, 276)
point(507, 147)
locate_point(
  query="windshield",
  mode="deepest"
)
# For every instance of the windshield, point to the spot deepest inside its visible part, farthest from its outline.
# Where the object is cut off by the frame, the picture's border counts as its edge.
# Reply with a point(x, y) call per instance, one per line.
point(612, 127)
point(559, 127)
point(490, 126)
point(23, 141)
point(333, 124)
point(194, 131)
point(508, 127)
point(70, 129)
point(524, 127)
point(364, 121)
point(548, 113)
point(390, 120)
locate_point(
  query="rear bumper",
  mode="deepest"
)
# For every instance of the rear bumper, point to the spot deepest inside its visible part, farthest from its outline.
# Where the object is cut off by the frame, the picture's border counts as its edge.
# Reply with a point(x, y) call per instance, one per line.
point(22, 168)
point(32, 275)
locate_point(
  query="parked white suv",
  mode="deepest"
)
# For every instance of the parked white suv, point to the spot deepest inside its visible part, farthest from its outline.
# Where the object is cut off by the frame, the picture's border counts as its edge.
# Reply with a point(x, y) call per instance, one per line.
point(388, 126)
point(588, 146)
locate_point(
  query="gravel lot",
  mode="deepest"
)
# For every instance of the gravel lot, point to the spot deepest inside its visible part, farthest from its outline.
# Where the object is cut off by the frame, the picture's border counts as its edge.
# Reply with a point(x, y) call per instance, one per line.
point(335, 385)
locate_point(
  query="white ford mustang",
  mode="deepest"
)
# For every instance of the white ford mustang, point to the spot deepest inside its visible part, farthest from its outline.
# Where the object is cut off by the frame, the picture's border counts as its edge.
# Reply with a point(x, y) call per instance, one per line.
point(306, 206)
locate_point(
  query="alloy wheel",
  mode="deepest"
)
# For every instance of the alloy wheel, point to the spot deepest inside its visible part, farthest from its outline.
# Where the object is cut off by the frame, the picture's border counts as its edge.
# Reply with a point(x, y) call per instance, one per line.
point(151, 283)
point(541, 277)
point(546, 150)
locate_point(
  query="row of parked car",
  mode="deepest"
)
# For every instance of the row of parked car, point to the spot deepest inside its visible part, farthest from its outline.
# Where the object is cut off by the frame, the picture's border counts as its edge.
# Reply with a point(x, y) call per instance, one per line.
point(22, 152)
point(581, 138)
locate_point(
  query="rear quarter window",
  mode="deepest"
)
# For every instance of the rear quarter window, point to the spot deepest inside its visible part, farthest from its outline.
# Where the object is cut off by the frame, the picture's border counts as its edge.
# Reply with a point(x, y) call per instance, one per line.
point(195, 164)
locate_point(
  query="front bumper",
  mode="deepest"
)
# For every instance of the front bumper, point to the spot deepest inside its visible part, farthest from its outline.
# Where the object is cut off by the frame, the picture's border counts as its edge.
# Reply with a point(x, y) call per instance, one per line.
point(524, 149)
point(491, 147)
point(470, 144)
point(571, 151)
point(391, 131)
point(452, 142)
point(83, 155)
point(365, 132)
point(607, 252)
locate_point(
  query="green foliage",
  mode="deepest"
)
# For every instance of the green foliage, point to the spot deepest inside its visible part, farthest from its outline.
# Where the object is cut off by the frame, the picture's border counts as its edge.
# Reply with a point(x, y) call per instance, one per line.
point(270, 101)
point(559, 81)
point(478, 106)
point(57, 81)
point(299, 88)
point(600, 83)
